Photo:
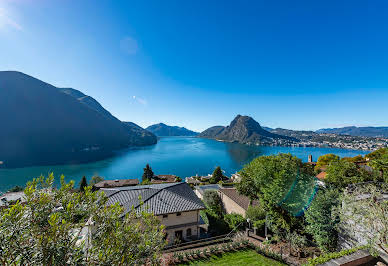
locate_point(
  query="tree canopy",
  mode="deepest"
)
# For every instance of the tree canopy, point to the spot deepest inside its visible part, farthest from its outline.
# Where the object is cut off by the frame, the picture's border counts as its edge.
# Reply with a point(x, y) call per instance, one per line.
point(321, 220)
point(282, 185)
point(325, 160)
point(63, 227)
point(148, 174)
point(217, 176)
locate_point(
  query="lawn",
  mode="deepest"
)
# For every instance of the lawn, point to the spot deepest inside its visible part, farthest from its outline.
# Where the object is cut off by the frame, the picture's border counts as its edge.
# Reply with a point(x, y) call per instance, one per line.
point(241, 258)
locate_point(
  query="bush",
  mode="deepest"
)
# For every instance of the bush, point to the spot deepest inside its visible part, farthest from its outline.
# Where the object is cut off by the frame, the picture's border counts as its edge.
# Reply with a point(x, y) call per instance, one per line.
point(235, 221)
point(334, 255)
point(255, 213)
point(213, 202)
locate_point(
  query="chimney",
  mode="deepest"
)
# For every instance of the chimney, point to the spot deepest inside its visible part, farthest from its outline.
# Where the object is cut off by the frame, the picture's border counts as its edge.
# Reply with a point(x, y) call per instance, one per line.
point(310, 159)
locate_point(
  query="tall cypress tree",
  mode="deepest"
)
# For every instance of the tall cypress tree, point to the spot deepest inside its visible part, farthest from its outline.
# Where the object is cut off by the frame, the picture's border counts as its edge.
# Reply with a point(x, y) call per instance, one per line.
point(148, 174)
point(83, 184)
point(216, 176)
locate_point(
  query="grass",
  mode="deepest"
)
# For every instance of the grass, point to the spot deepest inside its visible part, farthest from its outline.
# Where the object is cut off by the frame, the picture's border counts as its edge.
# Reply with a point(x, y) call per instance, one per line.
point(241, 258)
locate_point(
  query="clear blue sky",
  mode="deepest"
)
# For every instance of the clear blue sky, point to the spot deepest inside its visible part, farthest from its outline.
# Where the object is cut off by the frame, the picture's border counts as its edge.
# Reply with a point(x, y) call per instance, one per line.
point(291, 64)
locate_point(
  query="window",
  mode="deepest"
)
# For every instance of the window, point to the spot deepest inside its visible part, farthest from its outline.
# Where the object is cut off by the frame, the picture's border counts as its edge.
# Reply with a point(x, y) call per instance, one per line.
point(188, 232)
point(178, 214)
point(165, 215)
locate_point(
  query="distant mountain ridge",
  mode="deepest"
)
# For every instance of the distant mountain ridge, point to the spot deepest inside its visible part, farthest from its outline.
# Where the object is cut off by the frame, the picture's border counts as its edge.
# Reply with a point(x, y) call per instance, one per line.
point(164, 130)
point(43, 125)
point(358, 131)
point(246, 130)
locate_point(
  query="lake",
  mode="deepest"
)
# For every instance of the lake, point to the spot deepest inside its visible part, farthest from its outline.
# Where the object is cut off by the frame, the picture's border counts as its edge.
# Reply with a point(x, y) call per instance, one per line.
point(182, 156)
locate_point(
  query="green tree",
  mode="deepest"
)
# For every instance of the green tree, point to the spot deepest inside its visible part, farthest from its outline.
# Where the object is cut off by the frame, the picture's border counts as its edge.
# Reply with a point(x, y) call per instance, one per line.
point(357, 158)
point(255, 213)
point(83, 184)
point(343, 173)
point(271, 179)
point(235, 221)
point(380, 164)
point(377, 154)
point(148, 174)
point(321, 219)
point(216, 176)
point(325, 160)
point(60, 227)
point(213, 202)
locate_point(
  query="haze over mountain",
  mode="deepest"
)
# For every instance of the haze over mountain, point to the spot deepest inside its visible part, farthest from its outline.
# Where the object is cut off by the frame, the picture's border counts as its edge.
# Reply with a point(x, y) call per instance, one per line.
point(165, 130)
point(43, 124)
point(358, 131)
point(246, 130)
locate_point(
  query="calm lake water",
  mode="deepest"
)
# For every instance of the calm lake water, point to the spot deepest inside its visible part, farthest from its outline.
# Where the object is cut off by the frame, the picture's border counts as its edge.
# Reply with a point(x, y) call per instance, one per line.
point(182, 156)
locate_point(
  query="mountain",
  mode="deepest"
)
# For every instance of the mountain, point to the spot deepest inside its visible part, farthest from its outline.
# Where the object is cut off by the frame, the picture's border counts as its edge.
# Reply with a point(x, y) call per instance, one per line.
point(165, 130)
point(358, 131)
point(139, 135)
point(246, 130)
point(42, 125)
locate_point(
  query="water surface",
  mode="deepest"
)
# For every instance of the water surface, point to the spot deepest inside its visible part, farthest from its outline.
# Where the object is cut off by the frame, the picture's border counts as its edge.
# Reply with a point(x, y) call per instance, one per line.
point(182, 156)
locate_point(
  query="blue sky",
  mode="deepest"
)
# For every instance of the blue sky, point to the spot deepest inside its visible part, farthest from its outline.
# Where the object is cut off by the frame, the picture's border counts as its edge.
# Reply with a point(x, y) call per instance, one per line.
point(291, 64)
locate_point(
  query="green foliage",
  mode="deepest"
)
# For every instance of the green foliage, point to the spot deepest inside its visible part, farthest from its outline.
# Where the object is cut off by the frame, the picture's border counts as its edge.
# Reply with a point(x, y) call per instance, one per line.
point(213, 202)
point(148, 174)
point(357, 158)
point(16, 189)
point(325, 160)
point(95, 179)
point(321, 219)
point(235, 221)
point(380, 164)
point(178, 179)
point(83, 184)
point(377, 154)
point(334, 255)
point(342, 173)
point(255, 213)
point(54, 227)
point(270, 179)
point(217, 176)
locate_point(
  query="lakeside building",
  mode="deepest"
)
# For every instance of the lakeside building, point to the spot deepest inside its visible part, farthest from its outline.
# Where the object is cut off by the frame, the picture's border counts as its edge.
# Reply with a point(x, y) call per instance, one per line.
point(11, 197)
point(174, 204)
point(116, 183)
point(234, 202)
point(158, 179)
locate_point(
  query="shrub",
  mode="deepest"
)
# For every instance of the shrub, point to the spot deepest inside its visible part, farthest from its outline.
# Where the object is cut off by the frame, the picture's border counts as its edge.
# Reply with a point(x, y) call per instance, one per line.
point(255, 213)
point(235, 221)
point(334, 255)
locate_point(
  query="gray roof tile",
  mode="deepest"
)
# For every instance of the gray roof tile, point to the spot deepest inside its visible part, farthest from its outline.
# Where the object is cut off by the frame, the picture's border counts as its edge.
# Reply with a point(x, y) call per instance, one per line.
point(158, 198)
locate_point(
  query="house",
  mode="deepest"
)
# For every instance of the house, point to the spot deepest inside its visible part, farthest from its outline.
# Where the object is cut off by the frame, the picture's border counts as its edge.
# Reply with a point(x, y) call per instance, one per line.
point(174, 204)
point(200, 190)
point(234, 202)
point(11, 197)
point(158, 179)
point(116, 183)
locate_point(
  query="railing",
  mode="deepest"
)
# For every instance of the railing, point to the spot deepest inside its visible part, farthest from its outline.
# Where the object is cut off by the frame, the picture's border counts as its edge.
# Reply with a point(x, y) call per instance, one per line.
point(198, 243)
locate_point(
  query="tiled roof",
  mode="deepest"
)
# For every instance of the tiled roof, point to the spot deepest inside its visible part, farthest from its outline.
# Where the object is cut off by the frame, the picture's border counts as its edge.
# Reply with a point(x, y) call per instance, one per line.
point(241, 200)
point(158, 198)
point(164, 179)
point(117, 183)
point(321, 175)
